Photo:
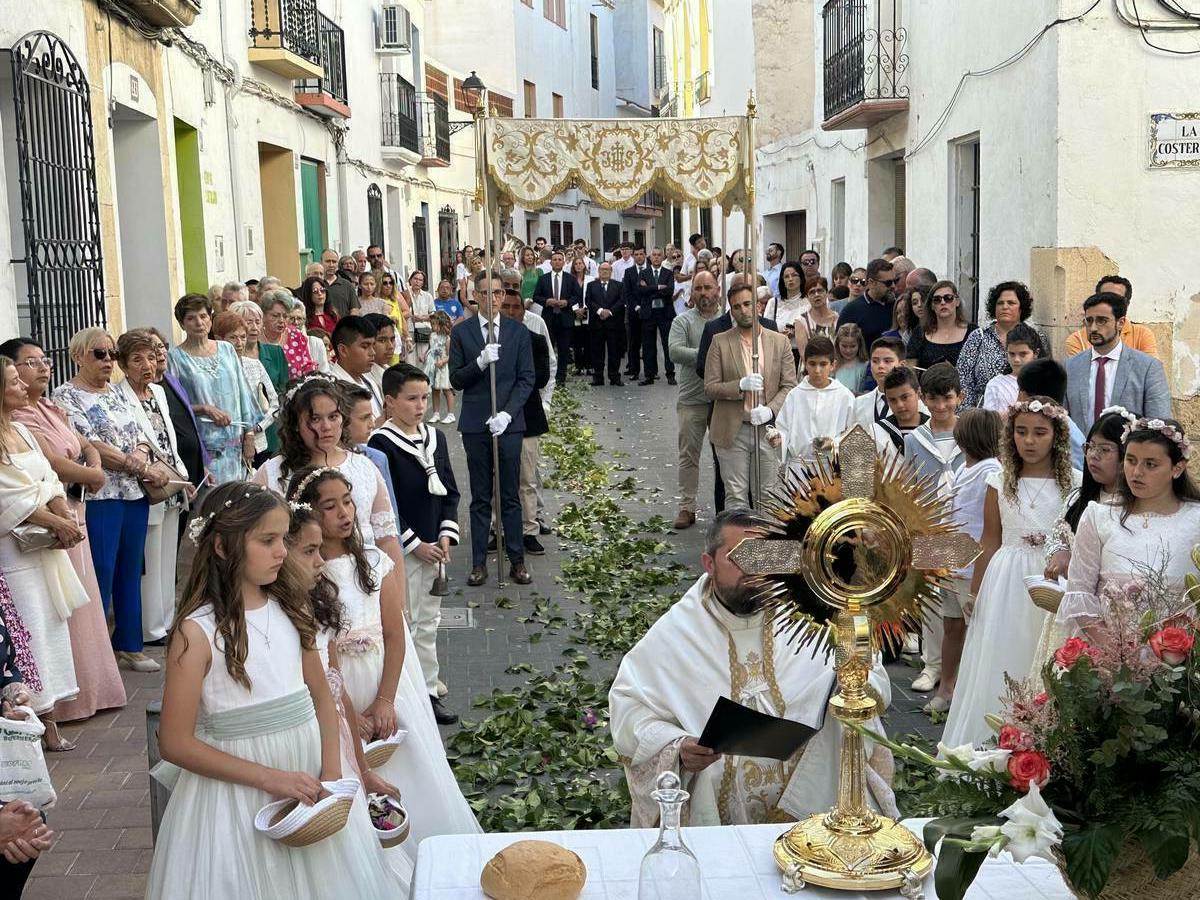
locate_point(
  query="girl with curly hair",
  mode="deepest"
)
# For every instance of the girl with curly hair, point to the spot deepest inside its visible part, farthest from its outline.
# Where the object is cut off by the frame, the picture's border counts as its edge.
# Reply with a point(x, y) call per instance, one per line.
point(379, 665)
point(314, 429)
point(1021, 506)
point(247, 718)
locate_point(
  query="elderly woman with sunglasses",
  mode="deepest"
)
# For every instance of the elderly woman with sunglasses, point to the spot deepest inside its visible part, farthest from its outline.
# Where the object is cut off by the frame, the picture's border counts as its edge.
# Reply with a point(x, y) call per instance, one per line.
point(983, 354)
point(117, 514)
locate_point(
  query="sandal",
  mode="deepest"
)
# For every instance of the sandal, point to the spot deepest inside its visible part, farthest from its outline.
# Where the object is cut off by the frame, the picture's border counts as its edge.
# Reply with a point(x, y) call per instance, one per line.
point(60, 745)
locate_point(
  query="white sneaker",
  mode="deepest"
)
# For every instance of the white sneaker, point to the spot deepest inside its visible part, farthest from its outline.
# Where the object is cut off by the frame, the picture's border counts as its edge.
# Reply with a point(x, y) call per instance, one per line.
point(449, 418)
point(926, 681)
point(434, 419)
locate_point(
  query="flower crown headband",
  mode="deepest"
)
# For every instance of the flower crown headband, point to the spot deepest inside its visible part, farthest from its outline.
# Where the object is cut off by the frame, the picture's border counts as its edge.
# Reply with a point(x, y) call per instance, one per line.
point(1170, 432)
point(1120, 411)
point(298, 490)
point(306, 379)
point(199, 524)
point(1049, 410)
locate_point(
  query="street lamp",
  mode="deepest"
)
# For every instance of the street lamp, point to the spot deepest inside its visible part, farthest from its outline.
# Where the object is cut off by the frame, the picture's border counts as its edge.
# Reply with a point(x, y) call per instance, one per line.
point(473, 88)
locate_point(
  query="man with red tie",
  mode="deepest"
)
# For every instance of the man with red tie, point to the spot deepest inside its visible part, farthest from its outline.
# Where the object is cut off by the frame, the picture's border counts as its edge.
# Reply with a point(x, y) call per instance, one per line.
point(559, 293)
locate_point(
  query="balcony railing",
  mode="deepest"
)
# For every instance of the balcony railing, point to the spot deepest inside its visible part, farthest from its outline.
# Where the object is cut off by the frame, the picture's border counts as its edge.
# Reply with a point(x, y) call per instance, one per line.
point(661, 86)
point(435, 129)
point(865, 62)
point(398, 112)
point(284, 34)
point(332, 42)
point(166, 13)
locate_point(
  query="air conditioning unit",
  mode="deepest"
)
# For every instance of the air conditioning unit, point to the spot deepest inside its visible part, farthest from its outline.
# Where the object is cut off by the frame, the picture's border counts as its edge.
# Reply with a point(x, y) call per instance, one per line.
point(393, 29)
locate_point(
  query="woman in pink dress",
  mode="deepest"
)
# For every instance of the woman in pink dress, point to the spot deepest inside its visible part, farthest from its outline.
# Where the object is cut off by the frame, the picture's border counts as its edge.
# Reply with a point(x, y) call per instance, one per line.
point(100, 685)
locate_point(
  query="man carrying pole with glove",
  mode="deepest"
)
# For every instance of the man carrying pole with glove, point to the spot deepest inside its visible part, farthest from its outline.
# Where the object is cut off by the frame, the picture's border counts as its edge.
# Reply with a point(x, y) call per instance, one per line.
point(745, 400)
point(475, 364)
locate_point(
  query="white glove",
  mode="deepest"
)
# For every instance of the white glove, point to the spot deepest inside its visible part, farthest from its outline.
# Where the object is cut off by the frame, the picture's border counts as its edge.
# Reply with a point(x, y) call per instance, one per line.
point(761, 415)
point(500, 421)
point(489, 355)
point(752, 382)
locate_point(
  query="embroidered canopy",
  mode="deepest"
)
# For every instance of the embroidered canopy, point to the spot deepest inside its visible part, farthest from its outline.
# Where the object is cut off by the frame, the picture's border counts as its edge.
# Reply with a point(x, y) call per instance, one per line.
point(615, 161)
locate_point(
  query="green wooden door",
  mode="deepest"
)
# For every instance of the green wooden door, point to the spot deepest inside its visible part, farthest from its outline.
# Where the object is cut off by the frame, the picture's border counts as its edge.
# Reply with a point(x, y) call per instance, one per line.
point(314, 212)
point(191, 208)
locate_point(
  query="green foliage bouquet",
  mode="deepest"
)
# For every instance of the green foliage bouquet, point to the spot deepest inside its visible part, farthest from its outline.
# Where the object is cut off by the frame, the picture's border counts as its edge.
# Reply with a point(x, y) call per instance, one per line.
point(1095, 769)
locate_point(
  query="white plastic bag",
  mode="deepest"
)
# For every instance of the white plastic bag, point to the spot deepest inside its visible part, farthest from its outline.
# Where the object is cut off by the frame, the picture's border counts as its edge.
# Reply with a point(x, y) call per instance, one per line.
point(23, 774)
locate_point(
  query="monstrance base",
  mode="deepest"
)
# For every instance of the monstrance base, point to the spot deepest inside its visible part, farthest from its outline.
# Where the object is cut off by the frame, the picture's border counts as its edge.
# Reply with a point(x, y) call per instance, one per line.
point(880, 860)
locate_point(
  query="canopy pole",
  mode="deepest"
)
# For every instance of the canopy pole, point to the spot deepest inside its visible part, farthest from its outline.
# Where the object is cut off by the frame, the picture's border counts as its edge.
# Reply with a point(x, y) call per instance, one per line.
point(750, 253)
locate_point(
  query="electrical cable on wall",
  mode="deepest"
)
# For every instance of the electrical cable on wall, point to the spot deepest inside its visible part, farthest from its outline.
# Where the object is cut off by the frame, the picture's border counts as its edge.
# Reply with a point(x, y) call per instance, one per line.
point(1177, 11)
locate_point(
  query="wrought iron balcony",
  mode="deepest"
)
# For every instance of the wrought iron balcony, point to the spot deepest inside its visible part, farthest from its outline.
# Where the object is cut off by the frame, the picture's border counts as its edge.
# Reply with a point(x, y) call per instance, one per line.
point(435, 130)
point(648, 206)
point(165, 13)
point(865, 62)
point(399, 131)
point(285, 38)
point(327, 95)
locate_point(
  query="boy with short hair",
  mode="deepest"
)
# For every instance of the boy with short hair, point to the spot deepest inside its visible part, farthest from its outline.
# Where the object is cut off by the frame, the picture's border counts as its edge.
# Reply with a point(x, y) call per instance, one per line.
point(1022, 344)
point(360, 422)
point(815, 412)
point(871, 407)
point(902, 391)
point(932, 448)
point(427, 509)
point(1047, 378)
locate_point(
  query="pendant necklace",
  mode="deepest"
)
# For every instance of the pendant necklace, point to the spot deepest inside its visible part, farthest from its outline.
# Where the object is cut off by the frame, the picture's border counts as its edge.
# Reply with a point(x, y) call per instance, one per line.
point(266, 635)
point(1041, 490)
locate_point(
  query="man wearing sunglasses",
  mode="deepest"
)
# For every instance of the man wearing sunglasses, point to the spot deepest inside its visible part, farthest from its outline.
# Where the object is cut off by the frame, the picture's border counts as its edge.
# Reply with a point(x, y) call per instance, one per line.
point(872, 312)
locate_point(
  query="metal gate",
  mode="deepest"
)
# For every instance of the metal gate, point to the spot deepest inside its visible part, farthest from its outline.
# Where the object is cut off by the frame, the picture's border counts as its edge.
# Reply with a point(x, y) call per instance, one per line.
point(375, 215)
point(56, 170)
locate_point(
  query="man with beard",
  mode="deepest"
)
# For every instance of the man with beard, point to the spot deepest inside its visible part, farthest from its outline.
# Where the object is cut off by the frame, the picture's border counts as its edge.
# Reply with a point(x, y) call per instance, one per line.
point(717, 642)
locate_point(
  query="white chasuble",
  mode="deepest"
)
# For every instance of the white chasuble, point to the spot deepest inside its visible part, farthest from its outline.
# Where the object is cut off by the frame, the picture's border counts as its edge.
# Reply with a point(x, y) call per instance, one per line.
point(665, 690)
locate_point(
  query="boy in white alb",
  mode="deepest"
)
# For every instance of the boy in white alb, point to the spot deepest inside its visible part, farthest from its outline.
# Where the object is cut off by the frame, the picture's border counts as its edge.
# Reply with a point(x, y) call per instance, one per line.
point(816, 412)
point(931, 446)
point(1022, 344)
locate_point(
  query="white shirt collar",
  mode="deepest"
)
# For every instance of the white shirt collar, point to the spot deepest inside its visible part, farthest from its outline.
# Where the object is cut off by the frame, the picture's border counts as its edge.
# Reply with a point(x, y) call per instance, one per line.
point(1114, 354)
point(483, 324)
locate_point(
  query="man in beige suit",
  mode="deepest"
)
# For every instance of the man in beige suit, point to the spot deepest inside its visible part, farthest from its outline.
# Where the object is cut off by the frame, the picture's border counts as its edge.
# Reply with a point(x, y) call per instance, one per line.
point(743, 399)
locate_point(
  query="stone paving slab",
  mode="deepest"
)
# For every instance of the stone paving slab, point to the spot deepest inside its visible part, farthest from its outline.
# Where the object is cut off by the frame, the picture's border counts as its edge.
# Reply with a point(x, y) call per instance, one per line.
point(102, 820)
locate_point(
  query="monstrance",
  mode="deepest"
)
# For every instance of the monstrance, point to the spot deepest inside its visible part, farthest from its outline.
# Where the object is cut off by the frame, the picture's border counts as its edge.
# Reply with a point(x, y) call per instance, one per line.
point(853, 555)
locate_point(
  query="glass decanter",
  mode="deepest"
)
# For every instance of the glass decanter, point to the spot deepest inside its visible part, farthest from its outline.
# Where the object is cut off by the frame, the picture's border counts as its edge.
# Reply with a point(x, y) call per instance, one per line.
point(669, 869)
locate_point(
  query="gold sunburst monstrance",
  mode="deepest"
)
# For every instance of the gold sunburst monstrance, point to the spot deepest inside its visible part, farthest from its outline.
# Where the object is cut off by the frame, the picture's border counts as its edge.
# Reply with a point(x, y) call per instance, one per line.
point(877, 548)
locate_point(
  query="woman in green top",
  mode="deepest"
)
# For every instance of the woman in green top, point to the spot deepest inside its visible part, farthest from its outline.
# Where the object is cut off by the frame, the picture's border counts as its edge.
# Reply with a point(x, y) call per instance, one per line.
point(270, 355)
point(530, 272)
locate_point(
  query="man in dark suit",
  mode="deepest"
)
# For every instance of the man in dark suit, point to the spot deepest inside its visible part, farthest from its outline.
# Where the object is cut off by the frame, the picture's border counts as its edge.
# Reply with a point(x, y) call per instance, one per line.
point(536, 423)
point(471, 354)
point(559, 293)
point(605, 299)
point(633, 345)
point(656, 285)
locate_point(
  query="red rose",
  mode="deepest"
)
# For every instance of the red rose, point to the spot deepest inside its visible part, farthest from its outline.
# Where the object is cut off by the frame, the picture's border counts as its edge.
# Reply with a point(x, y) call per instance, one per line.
point(1013, 738)
point(1171, 645)
point(1027, 767)
point(1070, 652)
point(1041, 699)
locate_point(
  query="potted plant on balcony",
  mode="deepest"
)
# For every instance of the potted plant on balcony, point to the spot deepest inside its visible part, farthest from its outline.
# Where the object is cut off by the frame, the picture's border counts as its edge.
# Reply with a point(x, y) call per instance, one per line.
point(1096, 769)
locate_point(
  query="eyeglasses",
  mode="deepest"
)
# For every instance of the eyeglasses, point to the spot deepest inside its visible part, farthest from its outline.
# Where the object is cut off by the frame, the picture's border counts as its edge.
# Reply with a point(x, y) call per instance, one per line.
point(102, 355)
point(35, 362)
point(858, 281)
point(1098, 450)
point(943, 299)
point(888, 282)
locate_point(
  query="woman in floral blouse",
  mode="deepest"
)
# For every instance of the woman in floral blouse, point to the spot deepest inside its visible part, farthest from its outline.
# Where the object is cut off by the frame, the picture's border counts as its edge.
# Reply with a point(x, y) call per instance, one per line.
point(983, 356)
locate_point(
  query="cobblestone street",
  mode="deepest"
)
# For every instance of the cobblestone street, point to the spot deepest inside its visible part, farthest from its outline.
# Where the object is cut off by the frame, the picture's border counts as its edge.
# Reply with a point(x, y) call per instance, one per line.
point(103, 820)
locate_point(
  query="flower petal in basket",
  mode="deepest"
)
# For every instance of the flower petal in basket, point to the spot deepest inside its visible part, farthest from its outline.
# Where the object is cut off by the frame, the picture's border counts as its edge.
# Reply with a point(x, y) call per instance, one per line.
point(297, 825)
point(397, 816)
point(377, 753)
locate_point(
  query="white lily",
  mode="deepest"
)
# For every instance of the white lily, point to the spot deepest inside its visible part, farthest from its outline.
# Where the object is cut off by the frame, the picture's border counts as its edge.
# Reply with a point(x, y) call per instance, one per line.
point(976, 759)
point(1032, 828)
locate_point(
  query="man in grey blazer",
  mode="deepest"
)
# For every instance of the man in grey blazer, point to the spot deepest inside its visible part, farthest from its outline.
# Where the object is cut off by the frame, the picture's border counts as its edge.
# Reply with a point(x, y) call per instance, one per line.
point(1112, 374)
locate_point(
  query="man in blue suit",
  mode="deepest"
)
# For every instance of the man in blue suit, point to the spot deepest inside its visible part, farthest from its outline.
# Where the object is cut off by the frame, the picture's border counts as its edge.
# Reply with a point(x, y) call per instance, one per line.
point(1112, 374)
point(471, 355)
point(559, 293)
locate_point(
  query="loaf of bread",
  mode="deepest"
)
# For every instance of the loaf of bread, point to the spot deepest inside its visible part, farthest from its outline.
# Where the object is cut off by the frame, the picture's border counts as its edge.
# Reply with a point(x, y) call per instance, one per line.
point(533, 870)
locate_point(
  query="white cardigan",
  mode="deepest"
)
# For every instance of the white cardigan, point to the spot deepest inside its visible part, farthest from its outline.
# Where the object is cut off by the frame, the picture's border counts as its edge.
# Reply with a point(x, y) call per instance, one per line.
point(158, 510)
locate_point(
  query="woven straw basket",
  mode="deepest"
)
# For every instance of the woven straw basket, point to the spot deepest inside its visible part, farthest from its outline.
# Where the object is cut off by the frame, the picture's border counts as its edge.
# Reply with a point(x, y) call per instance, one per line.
point(292, 823)
point(1133, 878)
point(377, 753)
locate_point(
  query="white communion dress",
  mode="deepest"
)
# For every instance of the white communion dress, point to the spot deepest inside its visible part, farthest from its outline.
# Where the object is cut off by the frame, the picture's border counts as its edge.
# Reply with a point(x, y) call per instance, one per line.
point(1003, 633)
point(419, 767)
point(207, 846)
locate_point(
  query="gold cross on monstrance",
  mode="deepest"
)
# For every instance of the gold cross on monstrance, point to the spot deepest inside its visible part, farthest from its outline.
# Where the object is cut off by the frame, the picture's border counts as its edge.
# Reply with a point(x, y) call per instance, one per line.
point(875, 543)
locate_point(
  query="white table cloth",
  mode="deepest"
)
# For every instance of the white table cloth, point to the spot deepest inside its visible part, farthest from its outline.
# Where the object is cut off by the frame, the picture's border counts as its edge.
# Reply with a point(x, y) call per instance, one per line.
point(735, 864)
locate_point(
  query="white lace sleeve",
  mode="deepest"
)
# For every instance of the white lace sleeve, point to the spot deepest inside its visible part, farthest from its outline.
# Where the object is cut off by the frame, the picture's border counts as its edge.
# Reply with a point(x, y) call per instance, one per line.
point(1081, 602)
point(383, 519)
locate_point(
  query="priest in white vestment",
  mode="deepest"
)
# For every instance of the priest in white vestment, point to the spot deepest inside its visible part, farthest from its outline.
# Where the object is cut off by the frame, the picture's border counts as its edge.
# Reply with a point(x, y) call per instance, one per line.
point(713, 643)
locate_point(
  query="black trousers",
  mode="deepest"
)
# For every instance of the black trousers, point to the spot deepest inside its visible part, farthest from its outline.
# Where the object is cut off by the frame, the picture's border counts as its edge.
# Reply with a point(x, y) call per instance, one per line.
point(656, 326)
point(581, 347)
point(561, 329)
point(606, 339)
point(633, 367)
point(478, 448)
point(718, 484)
